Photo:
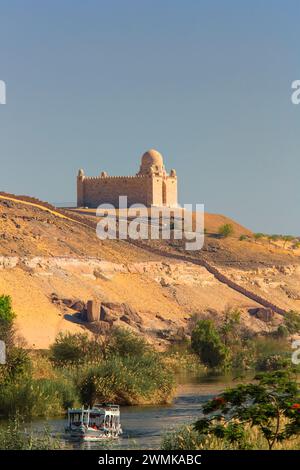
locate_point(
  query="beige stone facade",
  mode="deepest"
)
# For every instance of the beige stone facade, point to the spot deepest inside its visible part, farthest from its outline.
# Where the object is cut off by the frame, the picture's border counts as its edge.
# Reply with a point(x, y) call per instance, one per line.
point(152, 185)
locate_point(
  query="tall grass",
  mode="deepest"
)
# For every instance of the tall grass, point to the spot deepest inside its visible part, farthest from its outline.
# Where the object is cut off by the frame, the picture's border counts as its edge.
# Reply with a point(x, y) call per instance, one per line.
point(36, 397)
point(181, 359)
point(15, 437)
point(128, 380)
point(129, 372)
point(186, 438)
point(183, 438)
point(268, 346)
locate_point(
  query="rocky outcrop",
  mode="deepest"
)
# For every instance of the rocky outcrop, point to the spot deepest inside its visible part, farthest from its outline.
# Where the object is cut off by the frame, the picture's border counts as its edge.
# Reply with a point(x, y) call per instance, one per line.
point(8, 262)
point(216, 273)
point(112, 311)
point(99, 327)
point(291, 293)
point(96, 311)
point(92, 311)
point(75, 304)
point(263, 314)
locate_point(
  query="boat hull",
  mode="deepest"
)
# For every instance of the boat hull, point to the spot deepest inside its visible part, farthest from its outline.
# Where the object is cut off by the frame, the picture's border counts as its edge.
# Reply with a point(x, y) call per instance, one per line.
point(91, 435)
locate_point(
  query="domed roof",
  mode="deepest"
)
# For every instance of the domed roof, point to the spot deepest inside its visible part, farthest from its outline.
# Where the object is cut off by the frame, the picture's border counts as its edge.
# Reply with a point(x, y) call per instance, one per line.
point(152, 158)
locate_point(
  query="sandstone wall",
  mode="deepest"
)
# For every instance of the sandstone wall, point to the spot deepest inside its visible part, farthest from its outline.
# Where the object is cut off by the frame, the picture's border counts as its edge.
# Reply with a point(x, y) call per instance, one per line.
point(80, 192)
point(140, 189)
point(170, 191)
point(157, 191)
point(96, 191)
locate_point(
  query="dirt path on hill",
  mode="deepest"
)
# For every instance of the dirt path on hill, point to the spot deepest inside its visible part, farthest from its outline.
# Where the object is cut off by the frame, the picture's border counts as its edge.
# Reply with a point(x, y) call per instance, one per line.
point(171, 255)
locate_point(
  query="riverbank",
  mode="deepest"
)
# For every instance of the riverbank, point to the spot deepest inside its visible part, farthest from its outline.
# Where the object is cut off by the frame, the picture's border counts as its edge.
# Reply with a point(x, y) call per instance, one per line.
point(145, 426)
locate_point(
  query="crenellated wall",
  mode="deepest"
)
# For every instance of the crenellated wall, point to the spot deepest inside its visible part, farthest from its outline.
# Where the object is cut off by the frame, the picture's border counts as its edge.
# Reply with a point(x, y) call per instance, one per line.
point(143, 189)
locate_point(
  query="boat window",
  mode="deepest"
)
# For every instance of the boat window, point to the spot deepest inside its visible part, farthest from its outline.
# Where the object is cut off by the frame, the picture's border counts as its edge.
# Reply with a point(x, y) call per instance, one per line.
point(96, 420)
point(75, 418)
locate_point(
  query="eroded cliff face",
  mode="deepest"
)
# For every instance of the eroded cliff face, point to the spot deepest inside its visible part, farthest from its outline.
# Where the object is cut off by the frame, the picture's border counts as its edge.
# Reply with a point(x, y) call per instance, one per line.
point(278, 284)
point(45, 255)
point(164, 294)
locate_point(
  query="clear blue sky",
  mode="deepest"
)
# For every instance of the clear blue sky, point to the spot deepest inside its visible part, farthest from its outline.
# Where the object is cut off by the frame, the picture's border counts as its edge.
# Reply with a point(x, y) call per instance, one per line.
point(94, 84)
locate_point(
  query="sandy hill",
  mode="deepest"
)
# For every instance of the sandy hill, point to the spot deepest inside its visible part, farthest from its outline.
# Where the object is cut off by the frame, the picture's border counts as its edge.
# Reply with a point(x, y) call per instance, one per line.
point(229, 251)
point(51, 265)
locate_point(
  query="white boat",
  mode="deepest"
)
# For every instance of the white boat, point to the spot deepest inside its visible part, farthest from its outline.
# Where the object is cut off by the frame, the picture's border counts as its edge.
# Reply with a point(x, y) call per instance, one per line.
point(94, 424)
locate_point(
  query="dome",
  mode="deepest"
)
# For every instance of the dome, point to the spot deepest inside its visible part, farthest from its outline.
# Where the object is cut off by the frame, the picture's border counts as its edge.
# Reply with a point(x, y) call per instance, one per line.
point(152, 157)
point(152, 160)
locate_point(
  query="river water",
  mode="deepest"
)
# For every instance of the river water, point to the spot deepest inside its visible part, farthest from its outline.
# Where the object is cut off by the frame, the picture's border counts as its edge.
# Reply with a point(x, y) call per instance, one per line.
point(144, 426)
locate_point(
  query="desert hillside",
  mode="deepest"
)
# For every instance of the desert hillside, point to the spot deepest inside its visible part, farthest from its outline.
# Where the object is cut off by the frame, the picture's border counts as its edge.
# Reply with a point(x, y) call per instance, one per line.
point(52, 265)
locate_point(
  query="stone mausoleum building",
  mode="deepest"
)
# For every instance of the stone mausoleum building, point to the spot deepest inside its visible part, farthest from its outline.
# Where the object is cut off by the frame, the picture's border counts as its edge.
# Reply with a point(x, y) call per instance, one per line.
point(152, 185)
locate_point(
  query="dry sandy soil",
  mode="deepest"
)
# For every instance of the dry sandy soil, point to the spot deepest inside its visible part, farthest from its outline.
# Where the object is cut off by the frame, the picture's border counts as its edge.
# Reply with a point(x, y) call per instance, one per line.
point(42, 253)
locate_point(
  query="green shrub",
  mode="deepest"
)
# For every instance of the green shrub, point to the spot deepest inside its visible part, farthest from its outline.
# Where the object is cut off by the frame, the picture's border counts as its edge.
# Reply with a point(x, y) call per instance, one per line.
point(128, 380)
point(229, 329)
point(226, 230)
point(206, 342)
point(75, 349)
point(281, 332)
point(269, 406)
point(244, 355)
point(292, 322)
point(286, 239)
point(237, 339)
point(272, 362)
point(7, 317)
point(273, 238)
point(17, 360)
point(79, 348)
point(258, 236)
point(18, 363)
point(226, 342)
point(6, 313)
point(123, 342)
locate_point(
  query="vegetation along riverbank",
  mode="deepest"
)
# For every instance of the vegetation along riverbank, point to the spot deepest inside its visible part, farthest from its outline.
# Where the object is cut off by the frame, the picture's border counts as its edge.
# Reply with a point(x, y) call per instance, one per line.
point(122, 367)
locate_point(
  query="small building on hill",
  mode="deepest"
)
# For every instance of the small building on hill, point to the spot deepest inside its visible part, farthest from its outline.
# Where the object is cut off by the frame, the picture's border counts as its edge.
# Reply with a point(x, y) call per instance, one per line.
point(152, 185)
